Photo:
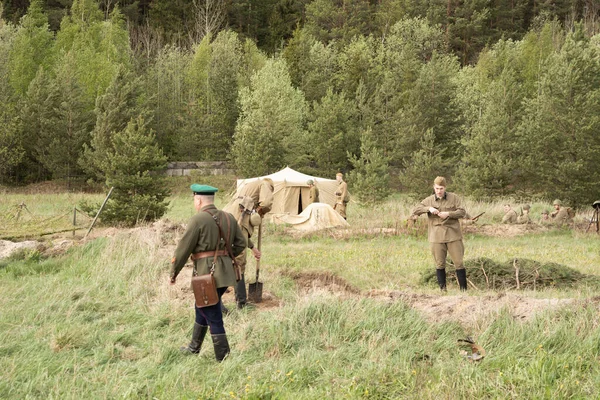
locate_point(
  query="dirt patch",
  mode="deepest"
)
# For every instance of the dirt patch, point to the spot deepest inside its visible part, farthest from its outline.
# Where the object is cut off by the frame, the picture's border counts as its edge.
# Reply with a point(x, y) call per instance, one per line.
point(469, 309)
point(503, 230)
point(8, 248)
point(322, 281)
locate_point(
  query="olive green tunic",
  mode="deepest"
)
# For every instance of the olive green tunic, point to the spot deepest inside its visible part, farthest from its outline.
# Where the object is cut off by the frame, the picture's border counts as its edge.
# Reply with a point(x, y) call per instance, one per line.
point(202, 234)
point(442, 230)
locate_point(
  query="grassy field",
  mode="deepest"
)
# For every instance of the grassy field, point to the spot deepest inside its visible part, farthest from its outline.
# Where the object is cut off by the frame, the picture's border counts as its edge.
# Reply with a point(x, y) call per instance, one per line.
point(100, 321)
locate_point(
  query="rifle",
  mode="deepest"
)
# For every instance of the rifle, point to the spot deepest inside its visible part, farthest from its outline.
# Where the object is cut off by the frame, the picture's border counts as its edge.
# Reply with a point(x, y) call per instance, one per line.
point(476, 217)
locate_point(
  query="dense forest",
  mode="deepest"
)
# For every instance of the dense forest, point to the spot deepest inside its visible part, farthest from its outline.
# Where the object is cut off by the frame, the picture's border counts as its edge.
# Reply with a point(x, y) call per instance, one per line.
point(501, 96)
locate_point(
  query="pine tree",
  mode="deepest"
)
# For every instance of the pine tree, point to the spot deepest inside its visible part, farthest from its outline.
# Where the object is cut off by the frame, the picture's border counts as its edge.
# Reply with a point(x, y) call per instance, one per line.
point(561, 124)
point(66, 125)
point(332, 133)
point(370, 176)
point(133, 166)
point(114, 109)
point(11, 151)
point(168, 95)
point(31, 48)
point(424, 163)
point(269, 132)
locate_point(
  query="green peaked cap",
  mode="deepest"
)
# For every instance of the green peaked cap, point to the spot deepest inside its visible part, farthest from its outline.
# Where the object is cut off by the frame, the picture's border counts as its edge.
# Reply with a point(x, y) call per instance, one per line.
point(203, 189)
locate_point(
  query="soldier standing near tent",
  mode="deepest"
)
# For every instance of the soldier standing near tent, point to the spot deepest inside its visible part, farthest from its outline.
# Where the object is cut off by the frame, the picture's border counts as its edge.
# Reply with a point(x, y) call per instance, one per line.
point(444, 210)
point(342, 196)
point(254, 200)
point(202, 240)
point(313, 194)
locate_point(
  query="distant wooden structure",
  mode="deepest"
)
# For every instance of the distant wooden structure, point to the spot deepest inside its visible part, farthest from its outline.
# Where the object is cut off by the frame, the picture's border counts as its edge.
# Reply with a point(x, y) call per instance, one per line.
point(184, 168)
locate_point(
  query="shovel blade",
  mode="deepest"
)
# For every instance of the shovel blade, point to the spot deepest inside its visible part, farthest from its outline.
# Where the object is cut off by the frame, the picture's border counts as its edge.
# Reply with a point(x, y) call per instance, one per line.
point(255, 291)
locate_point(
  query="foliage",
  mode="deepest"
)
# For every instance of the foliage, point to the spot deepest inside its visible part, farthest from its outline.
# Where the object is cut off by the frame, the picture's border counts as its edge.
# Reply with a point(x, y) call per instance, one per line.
point(423, 166)
point(370, 175)
point(269, 132)
point(167, 95)
point(332, 134)
point(561, 124)
point(114, 109)
point(98, 47)
point(132, 166)
point(30, 49)
point(65, 125)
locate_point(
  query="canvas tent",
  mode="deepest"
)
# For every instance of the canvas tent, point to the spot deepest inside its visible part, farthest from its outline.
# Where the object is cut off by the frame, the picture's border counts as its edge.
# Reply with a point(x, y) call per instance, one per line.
point(291, 191)
point(314, 217)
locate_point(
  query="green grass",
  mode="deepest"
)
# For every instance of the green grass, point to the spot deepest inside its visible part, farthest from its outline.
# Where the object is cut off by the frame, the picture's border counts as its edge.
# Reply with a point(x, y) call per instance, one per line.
point(101, 322)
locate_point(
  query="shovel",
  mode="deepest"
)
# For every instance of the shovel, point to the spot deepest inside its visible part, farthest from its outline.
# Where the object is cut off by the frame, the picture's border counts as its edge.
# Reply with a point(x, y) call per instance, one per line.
point(255, 289)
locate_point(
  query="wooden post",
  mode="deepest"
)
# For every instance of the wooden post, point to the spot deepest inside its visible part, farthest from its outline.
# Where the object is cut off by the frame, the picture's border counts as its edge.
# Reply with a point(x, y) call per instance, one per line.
point(99, 211)
point(74, 219)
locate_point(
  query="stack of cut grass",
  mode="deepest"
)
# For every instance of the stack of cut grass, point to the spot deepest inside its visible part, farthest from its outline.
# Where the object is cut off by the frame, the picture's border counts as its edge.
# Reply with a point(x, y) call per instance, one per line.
point(518, 273)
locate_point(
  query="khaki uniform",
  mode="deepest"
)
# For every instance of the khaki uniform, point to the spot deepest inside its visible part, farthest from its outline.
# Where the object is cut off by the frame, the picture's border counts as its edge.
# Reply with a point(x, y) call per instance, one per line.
point(560, 217)
point(255, 196)
point(524, 219)
point(510, 217)
point(444, 235)
point(342, 197)
point(202, 234)
point(313, 195)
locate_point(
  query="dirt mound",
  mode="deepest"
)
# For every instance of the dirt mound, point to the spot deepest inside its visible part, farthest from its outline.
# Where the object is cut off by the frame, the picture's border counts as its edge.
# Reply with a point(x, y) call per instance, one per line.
point(504, 230)
point(8, 248)
point(469, 309)
point(321, 281)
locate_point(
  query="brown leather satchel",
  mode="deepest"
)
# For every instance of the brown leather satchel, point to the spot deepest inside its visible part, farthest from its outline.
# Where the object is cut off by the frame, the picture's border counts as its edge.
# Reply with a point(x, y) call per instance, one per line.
point(205, 290)
point(205, 287)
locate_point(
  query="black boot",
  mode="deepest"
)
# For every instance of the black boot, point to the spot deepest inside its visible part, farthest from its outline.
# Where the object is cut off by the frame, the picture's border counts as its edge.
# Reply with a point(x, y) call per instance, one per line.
point(240, 293)
point(441, 278)
point(221, 346)
point(461, 275)
point(197, 339)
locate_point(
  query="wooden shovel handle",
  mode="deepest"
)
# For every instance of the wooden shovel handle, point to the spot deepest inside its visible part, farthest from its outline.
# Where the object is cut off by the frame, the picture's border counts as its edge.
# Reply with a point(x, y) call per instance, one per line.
point(259, 241)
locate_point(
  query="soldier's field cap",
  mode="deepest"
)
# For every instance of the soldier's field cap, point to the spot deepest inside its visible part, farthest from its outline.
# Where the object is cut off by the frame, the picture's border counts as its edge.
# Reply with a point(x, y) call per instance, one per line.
point(556, 202)
point(440, 181)
point(545, 212)
point(203, 190)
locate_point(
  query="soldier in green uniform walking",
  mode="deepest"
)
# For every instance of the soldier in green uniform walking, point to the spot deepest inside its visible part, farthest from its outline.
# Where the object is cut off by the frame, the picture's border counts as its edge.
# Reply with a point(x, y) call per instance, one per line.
point(444, 211)
point(200, 240)
point(254, 200)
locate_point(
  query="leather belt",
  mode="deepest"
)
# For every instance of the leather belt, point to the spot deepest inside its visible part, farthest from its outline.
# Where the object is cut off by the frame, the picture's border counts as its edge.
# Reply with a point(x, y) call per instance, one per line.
point(206, 254)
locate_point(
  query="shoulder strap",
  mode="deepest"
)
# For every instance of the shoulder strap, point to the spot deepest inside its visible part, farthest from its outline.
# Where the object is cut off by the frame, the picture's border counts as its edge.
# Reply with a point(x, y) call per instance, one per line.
point(216, 218)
